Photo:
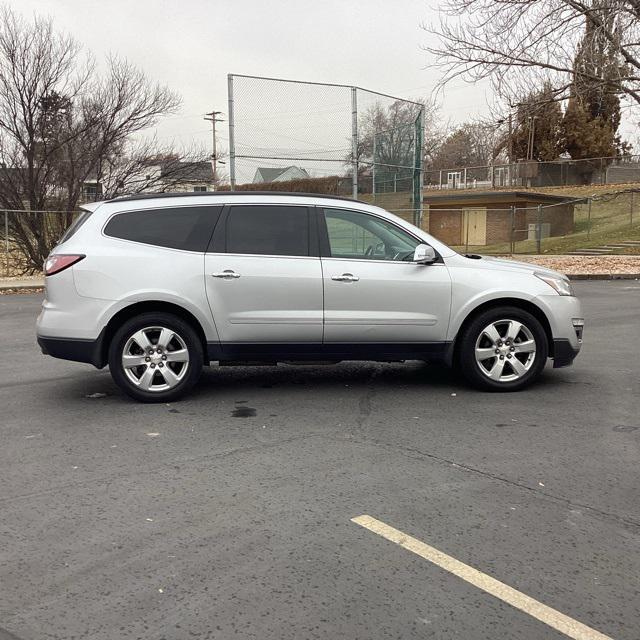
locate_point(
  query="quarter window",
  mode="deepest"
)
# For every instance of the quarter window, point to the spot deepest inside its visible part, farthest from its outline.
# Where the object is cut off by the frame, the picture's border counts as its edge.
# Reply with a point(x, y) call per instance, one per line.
point(360, 236)
point(187, 228)
point(268, 230)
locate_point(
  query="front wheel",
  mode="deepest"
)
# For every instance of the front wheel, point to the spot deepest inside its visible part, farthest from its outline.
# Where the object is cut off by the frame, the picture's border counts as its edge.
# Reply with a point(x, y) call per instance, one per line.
point(503, 349)
point(155, 357)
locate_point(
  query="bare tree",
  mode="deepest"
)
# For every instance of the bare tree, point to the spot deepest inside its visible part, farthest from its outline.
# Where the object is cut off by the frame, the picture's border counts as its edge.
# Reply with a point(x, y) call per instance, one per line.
point(472, 144)
point(387, 138)
point(62, 125)
point(519, 44)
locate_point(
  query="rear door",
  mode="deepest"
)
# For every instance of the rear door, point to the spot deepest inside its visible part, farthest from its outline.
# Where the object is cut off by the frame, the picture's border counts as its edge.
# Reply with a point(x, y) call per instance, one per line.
point(263, 276)
point(373, 291)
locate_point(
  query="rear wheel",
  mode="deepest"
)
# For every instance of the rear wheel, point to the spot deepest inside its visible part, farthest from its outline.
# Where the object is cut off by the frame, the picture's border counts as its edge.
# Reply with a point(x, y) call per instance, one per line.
point(503, 349)
point(155, 357)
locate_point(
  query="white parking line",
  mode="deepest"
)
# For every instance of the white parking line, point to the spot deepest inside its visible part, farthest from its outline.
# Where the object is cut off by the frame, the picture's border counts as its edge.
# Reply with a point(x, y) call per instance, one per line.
point(504, 592)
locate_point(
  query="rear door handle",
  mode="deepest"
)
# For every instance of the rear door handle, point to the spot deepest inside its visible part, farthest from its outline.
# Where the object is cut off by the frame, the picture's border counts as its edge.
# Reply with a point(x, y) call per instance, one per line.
point(346, 277)
point(227, 274)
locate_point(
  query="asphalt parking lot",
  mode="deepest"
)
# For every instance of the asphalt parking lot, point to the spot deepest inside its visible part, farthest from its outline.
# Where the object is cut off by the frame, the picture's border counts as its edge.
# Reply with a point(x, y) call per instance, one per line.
point(229, 514)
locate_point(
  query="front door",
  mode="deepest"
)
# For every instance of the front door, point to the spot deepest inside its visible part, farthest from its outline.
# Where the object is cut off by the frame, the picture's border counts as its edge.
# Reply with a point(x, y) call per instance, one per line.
point(373, 292)
point(264, 285)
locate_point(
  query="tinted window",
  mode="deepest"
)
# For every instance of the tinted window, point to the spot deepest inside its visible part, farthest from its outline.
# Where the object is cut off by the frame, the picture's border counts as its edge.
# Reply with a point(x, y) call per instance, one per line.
point(76, 224)
point(186, 228)
point(268, 230)
point(364, 237)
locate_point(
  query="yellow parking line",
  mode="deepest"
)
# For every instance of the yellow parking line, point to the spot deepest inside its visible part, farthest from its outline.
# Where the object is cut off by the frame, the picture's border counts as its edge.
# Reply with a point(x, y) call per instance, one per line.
point(504, 592)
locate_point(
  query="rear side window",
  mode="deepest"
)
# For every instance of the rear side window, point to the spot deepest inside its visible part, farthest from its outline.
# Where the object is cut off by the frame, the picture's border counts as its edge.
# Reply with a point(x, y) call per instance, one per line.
point(187, 228)
point(268, 230)
point(76, 224)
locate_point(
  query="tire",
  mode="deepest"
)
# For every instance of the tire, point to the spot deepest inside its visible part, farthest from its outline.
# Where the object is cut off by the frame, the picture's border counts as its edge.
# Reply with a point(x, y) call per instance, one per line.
point(502, 349)
point(163, 355)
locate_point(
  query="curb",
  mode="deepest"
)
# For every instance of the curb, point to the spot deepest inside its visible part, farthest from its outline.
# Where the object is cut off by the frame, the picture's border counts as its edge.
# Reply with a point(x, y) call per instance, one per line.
point(604, 276)
point(19, 287)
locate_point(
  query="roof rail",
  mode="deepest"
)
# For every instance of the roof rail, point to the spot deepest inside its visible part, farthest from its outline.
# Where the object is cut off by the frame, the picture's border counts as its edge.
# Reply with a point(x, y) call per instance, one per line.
point(188, 194)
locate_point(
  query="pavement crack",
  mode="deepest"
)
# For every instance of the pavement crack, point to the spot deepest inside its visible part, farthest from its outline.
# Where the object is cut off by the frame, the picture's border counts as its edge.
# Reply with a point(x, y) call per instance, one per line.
point(415, 452)
point(159, 467)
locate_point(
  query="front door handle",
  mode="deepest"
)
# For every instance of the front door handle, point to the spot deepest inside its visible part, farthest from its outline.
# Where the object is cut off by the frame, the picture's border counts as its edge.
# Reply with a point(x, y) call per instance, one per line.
point(227, 274)
point(346, 277)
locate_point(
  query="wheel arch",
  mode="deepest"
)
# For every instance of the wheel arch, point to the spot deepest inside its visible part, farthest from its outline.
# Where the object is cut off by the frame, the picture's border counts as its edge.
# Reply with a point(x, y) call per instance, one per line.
point(520, 303)
point(138, 308)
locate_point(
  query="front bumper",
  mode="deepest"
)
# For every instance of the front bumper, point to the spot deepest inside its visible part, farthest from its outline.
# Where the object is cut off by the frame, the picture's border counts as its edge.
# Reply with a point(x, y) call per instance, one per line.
point(562, 313)
point(564, 353)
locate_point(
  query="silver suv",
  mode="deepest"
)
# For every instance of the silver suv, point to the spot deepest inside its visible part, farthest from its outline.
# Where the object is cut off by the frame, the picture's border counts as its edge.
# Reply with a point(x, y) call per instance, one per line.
point(155, 286)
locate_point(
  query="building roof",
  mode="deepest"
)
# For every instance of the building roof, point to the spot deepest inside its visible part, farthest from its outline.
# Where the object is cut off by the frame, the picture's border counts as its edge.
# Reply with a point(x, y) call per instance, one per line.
point(187, 171)
point(492, 197)
point(269, 174)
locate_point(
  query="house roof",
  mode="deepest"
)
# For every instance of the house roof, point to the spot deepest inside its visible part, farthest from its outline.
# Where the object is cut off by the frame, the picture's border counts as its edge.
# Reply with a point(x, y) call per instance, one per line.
point(269, 174)
point(187, 171)
point(492, 197)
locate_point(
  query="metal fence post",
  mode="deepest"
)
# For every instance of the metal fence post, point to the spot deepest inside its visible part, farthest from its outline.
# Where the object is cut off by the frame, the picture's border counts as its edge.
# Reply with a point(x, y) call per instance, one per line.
point(232, 148)
point(6, 241)
point(633, 193)
point(465, 222)
point(418, 179)
point(539, 229)
point(354, 141)
point(512, 244)
point(589, 219)
point(373, 169)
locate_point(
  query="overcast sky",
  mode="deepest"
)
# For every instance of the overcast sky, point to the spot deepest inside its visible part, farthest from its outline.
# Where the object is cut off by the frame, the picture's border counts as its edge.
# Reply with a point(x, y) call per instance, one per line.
point(192, 45)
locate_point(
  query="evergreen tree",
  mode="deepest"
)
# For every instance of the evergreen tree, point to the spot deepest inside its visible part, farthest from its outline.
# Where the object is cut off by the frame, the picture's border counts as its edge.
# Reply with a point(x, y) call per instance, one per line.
point(592, 117)
point(538, 114)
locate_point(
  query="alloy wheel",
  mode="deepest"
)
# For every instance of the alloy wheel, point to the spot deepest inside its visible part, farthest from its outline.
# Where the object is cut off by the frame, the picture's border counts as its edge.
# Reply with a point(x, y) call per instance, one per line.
point(505, 350)
point(155, 359)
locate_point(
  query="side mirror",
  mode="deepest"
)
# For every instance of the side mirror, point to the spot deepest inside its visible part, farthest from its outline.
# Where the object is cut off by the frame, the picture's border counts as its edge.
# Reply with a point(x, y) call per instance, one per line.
point(424, 254)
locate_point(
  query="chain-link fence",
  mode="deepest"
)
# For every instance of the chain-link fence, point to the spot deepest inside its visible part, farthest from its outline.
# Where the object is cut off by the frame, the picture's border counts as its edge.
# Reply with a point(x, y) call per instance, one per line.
point(28, 236)
point(607, 224)
point(292, 132)
point(556, 173)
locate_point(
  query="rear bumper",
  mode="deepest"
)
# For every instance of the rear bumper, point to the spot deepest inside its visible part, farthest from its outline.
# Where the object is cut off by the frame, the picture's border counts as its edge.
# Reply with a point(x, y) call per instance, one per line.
point(78, 350)
point(564, 353)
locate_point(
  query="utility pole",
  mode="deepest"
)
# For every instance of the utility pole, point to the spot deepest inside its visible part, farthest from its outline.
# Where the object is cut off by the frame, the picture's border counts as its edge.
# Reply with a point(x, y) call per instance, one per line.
point(510, 138)
point(509, 143)
point(212, 117)
point(532, 136)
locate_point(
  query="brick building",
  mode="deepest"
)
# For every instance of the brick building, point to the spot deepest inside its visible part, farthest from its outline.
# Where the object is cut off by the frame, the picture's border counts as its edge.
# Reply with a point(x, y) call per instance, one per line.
point(493, 217)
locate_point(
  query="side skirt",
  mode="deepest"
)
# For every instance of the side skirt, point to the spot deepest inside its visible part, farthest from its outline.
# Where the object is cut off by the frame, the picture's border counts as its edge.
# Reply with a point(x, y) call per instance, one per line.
point(278, 352)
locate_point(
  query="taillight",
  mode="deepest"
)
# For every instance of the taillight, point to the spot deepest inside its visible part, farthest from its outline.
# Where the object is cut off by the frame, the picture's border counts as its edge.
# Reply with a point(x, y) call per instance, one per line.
point(59, 262)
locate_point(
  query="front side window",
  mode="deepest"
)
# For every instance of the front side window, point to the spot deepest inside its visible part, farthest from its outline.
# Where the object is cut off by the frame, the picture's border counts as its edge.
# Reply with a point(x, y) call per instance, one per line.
point(271, 230)
point(187, 228)
point(361, 236)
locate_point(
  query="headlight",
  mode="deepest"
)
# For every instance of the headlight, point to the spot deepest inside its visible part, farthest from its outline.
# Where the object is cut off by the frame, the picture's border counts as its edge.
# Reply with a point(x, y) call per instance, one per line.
point(561, 285)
